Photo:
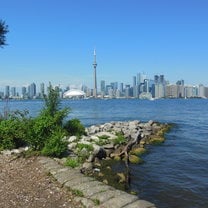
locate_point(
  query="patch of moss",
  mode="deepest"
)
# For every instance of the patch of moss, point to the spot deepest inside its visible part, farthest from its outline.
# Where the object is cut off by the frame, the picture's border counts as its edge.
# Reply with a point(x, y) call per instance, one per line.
point(156, 140)
point(135, 159)
point(138, 151)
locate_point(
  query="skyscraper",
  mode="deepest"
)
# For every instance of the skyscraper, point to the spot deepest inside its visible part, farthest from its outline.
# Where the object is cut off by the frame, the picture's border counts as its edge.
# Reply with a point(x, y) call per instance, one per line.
point(95, 76)
point(42, 90)
point(7, 94)
point(32, 90)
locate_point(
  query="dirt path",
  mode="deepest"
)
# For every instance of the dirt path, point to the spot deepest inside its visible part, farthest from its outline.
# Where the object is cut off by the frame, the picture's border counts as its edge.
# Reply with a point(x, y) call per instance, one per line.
point(25, 183)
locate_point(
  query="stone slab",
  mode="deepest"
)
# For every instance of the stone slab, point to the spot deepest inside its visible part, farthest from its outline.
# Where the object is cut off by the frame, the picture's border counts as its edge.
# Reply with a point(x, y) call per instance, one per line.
point(120, 201)
point(88, 203)
point(106, 195)
point(65, 175)
point(78, 180)
point(91, 188)
point(140, 204)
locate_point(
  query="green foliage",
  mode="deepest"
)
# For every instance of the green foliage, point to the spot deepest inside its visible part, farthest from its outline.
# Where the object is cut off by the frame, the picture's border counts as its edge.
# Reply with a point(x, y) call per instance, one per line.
point(96, 202)
point(15, 130)
point(52, 101)
point(74, 127)
point(72, 162)
point(77, 192)
point(44, 133)
point(83, 151)
point(44, 127)
point(103, 140)
point(104, 137)
point(88, 147)
point(3, 31)
point(48, 124)
point(55, 146)
point(120, 139)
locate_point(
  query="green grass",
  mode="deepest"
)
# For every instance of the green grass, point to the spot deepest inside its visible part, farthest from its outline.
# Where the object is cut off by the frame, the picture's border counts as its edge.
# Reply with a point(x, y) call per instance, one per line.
point(120, 139)
point(77, 192)
point(72, 162)
point(88, 147)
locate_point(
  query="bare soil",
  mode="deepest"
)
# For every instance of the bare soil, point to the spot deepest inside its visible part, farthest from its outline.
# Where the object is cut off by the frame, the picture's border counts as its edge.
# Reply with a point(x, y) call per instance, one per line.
point(25, 183)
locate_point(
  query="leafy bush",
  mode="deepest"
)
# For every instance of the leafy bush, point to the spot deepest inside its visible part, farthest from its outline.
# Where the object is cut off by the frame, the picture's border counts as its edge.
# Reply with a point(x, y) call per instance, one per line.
point(49, 122)
point(15, 130)
point(45, 132)
point(74, 127)
point(55, 146)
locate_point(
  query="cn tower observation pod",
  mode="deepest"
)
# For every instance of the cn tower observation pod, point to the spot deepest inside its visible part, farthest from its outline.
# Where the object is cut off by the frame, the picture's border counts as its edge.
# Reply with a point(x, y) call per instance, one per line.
point(74, 94)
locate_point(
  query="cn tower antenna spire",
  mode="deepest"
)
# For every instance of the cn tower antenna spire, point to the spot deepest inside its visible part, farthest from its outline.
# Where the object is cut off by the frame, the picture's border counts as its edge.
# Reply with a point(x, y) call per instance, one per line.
point(95, 75)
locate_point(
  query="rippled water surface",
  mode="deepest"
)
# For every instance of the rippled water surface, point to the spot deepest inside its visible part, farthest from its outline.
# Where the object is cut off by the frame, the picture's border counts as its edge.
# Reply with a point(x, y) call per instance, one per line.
point(175, 174)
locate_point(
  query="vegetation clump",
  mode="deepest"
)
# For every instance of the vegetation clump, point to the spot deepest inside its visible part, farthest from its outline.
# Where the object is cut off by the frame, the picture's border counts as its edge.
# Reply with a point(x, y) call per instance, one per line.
point(72, 162)
point(120, 139)
point(43, 133)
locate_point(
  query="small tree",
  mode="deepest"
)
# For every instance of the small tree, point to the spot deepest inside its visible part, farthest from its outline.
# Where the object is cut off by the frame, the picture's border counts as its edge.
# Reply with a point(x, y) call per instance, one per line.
point(49, 122)
point(3, 31)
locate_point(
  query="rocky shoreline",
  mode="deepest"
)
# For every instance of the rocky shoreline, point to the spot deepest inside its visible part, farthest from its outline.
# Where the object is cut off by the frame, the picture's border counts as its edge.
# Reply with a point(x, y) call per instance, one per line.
point(115, 141)
point(96, 153)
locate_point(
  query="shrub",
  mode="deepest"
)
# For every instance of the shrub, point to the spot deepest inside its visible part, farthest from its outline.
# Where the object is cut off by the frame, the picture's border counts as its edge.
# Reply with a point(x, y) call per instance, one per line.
point(49, 122)
point(14, 130)
point(55, 146)
point(74, 127)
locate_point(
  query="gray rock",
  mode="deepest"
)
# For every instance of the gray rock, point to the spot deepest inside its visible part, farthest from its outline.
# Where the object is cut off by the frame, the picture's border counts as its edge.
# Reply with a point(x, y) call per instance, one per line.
point(109, 146)
point(94, 138)
point(99, 152)
point(72, 146)
point(151, 122)
point(87, 166)
point(72, 139)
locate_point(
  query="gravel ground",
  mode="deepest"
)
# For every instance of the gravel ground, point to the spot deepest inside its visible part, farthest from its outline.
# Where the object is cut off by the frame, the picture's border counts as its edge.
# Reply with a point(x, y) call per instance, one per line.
point(25, 183)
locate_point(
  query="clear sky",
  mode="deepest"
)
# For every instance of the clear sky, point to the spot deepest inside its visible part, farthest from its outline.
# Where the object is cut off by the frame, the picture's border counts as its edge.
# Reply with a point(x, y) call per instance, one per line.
point(53, 40)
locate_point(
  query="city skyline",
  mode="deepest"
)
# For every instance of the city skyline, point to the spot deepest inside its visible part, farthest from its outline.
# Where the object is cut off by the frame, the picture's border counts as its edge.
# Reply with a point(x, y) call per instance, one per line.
point(155, 37)
point(141, 87)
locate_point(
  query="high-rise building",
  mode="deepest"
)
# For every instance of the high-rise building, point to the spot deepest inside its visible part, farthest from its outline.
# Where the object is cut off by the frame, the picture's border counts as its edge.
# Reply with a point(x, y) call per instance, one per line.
point(102, 85)
point(42, 90)
point(140, 82)
point(32, 90)
point(24, 92)
point(95, 76)
point(156, 79)
point(121, 87)
point(171, 91)
point(202, 91)
point(13, 91)
point(162, 79)
point(7, 93)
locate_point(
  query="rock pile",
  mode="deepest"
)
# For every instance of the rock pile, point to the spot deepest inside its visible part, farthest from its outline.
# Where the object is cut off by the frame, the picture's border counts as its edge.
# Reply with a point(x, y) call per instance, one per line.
point(115, 139)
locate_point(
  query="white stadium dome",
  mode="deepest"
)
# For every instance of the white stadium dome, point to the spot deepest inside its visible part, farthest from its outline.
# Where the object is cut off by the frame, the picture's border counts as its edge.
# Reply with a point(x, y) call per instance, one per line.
point(74, 93)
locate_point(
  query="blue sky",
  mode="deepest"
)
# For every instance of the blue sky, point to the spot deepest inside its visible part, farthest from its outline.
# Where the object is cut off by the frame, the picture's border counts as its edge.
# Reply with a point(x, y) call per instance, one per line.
point(53, 40)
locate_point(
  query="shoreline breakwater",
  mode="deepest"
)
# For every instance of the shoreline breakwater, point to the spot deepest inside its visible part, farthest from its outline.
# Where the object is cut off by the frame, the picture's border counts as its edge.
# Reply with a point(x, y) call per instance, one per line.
point(113, 141)
point(105, 144)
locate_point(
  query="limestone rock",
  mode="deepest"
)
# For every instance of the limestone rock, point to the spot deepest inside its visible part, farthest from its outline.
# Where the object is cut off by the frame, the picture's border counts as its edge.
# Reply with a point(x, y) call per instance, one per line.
point(72, 139)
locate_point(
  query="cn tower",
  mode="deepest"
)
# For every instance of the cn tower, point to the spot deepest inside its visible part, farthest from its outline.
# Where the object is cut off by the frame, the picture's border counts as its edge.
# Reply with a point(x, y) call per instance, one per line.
point(95, 76)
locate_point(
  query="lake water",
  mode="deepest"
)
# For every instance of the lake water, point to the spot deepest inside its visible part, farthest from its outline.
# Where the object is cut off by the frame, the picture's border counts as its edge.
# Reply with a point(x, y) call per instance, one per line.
point(174, 174)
